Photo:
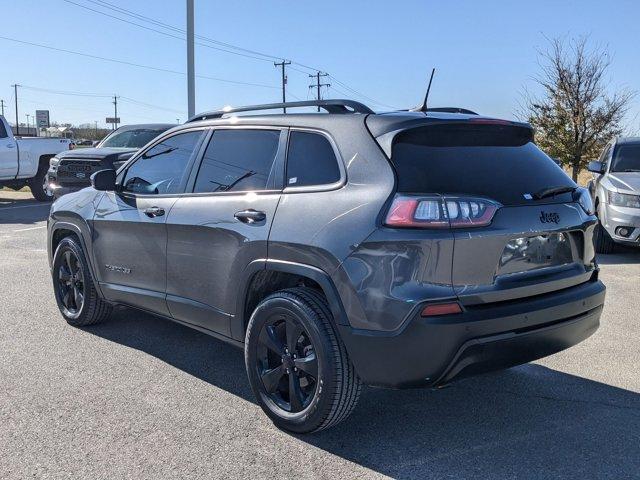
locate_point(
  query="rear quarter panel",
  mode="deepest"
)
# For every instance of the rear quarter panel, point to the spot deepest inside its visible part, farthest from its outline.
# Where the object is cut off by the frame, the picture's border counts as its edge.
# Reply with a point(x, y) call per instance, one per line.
point(322, 228)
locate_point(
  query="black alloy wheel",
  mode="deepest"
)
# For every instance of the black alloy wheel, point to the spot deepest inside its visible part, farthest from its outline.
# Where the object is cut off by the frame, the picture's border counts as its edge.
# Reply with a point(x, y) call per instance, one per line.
point(71, 284)
point(297, 365)
point(75, 292)
point(286, 363)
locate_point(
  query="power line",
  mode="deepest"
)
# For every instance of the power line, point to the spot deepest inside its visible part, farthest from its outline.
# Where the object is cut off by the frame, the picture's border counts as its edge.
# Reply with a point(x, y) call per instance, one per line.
point(130, 13)
point(163, 33)
point(63, 92)
point(353, 91)
point(150, 105)
point(132, 64)
point(101, 95)
point(252, 53)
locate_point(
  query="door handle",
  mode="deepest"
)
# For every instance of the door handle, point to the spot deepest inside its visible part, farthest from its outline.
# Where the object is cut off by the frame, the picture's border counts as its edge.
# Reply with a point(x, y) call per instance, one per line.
point(154, 212)
point(250, 216)
point(10, 145)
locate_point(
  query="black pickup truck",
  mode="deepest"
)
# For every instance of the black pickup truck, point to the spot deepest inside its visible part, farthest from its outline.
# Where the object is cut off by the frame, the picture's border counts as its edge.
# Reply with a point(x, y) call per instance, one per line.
point(70, 171)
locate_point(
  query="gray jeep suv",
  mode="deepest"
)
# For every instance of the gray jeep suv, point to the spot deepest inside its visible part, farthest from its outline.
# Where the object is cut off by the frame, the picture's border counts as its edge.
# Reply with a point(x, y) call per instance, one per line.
point(402, 249)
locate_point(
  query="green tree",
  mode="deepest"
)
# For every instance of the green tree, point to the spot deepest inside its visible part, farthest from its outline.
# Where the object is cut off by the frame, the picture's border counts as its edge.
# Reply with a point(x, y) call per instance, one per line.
point(576, 115)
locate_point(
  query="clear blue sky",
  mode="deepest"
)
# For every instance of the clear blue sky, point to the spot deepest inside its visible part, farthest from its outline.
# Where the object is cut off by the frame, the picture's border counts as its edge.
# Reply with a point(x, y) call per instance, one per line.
point(484, 52)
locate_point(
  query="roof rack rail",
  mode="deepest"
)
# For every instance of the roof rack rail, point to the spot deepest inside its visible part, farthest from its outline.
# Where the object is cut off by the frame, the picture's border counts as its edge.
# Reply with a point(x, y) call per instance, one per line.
point(445, 110)
point(330, 106)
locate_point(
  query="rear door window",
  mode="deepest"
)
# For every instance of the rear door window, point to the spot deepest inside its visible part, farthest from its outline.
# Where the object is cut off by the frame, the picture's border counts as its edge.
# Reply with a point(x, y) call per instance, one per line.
point(500, 162)
point(238, 160)
point(311, 160)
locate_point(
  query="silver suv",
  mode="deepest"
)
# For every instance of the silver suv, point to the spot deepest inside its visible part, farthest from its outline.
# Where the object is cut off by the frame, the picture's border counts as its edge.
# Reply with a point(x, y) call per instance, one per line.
point(616, 192)
point(403, 249)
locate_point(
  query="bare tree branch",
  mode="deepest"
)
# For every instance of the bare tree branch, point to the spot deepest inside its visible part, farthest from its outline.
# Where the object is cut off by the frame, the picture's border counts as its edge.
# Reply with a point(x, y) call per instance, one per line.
point(575, 116)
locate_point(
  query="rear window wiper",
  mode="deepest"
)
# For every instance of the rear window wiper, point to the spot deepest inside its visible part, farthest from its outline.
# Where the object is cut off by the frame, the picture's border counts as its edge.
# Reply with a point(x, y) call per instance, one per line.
point(550, 191)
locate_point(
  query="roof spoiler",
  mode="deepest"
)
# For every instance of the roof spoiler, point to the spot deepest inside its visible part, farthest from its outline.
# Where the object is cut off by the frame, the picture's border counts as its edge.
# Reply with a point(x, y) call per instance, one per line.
point(330, 106)
point(444, 110)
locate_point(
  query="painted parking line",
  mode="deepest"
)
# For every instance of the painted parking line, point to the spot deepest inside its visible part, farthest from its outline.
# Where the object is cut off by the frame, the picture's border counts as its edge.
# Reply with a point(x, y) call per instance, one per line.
point(29, 228)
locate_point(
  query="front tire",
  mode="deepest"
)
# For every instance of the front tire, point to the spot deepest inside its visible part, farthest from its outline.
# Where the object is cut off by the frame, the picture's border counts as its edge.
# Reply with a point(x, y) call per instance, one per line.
point(297, 365)
point(602, 240)
point(75, 292)
point(38, 185)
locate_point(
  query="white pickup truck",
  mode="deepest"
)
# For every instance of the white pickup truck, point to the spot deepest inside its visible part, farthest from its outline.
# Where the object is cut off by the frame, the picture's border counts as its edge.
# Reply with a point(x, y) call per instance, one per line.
point(25, 161)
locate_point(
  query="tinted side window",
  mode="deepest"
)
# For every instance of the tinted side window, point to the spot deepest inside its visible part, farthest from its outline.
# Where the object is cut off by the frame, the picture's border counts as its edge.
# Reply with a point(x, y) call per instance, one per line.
point(163, 168)
point(238, 160)
point(3, 131)
point(311, 160)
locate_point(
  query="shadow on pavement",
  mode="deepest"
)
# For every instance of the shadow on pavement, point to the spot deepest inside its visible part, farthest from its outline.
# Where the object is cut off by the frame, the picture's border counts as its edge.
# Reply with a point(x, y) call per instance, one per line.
point(621, 256)
point(20, 208)
point(527, 422)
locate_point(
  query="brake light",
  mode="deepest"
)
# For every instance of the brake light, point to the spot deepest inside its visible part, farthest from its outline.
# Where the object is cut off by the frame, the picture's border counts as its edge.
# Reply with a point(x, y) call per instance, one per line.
point(440, 212)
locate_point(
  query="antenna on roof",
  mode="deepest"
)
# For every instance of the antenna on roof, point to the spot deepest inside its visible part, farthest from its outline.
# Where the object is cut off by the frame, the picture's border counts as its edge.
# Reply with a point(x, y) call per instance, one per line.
point(426, 97)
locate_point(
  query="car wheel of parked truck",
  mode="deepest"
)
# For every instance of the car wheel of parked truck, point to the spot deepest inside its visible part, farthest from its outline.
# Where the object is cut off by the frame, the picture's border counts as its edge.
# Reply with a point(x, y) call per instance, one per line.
point(39, 184)
point(297, 366)
point(73, 286)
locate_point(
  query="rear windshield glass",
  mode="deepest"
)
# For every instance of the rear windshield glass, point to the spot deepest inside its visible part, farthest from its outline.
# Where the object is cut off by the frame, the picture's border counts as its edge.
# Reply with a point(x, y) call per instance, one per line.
point(626, 158)
point(496, 161)
point(135, 138)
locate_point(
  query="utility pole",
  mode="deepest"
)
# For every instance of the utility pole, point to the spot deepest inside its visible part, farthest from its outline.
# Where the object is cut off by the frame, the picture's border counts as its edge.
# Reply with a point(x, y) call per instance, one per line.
point(191, 72)
point(115, 110)
point(283, 64)
point(27, 115)
point(2, 104)
point(15, 87)
point(318, 85)
point(96, 123)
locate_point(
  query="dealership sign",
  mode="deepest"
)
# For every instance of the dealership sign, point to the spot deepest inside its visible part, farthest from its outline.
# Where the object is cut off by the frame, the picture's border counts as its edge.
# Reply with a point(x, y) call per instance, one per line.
point(42, 118)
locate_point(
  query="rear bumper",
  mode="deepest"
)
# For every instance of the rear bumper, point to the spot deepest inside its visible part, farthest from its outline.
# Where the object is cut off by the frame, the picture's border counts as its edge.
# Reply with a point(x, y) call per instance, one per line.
point(436, 350)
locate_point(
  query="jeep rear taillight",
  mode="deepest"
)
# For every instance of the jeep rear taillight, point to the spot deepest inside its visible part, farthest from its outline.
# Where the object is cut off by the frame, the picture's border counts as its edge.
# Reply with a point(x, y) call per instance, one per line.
point(440, 211)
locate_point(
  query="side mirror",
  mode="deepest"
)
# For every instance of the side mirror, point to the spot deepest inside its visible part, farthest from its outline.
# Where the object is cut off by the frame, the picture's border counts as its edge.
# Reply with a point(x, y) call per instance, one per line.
point(104, 180)
point(596, 167)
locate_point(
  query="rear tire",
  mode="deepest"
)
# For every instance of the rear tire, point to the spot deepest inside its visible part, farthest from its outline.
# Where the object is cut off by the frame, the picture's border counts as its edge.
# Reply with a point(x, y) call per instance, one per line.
point(312, 357)
point(38, 184)
point(602, 240)
point(75, 292)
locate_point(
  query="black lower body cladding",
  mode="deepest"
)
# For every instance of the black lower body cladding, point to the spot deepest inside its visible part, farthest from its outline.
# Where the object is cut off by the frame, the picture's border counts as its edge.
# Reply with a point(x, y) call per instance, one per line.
point(433, 351)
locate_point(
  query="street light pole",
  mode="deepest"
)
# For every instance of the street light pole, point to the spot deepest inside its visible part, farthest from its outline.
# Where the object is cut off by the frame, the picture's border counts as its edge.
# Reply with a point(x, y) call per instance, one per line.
point(191, 76)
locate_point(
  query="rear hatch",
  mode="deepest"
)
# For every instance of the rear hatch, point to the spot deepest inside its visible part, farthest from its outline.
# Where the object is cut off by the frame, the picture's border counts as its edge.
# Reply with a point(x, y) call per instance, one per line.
point(488, 183)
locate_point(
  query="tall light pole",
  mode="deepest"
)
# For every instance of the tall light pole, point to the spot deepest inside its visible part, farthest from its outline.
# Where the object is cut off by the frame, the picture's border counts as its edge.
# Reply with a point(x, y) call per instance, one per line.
point(17, 132)
point(191, 72)
point(28, 132)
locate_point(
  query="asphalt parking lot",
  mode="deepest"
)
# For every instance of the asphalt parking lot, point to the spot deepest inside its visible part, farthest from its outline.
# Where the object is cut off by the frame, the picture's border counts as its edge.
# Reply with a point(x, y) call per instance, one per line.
point(141, 397)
